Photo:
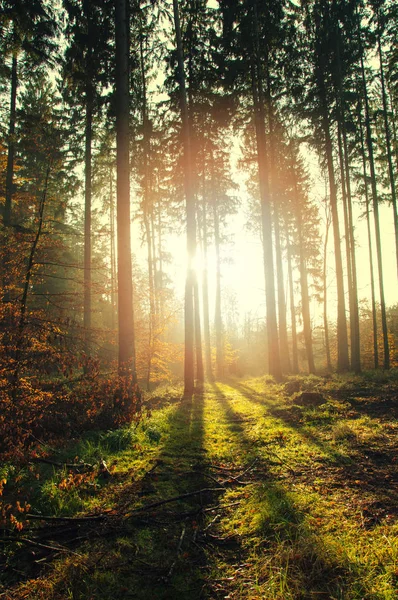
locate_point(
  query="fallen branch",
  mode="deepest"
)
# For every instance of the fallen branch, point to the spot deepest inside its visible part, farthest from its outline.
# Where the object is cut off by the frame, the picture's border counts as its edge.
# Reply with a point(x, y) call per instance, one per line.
point(178, 553)
point(73, 519)
point(174, 499)
point(220, 506)
point(54, 463)
point(39, 544)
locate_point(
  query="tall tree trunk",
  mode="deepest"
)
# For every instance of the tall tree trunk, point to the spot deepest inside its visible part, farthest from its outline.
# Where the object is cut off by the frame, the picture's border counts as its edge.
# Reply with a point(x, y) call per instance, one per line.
point(218, 324)
point(325, 294)
point(292, 306)
point(190, 215)
point(348, 220)
point(153, 226)
point(24, 298)
point(200, 375)
point(266, 223)
point(113, 250)
point(11, 142)
point(305, 301)
point(146, 210)
point(342, 341)
point(372, 280)
point(87, 221)
point(283, 341)
point(127, 363)
point(388, 142)
point(347, 235)
point(205, 292)
point(355, 335)
point(160, 290)
point(369, 142)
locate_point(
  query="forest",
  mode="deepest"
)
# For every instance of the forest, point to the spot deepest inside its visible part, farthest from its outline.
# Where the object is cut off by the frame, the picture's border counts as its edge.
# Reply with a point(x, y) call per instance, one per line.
point(199, 317)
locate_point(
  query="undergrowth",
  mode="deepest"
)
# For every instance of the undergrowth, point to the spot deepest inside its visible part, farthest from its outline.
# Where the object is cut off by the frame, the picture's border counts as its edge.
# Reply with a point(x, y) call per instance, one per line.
point(304, 502)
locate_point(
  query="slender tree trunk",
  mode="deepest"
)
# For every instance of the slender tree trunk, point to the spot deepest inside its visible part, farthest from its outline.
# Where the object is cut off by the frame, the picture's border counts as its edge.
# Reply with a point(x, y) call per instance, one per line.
point(325, 295)
point(127, 363)
point(292, 306)
point(160, 271)
point(273, 185)
point(266, 222)
point(342, 341)
point(200, 375)
point(369, 142)
point(218, 324)
point(146, 210)
point(190, 216)
point(283, 339)
point(355, 336)
point(87, 221)
point(388, 144)
point(155, 259)
point(372, 280)
point(151, 332)
point(348, 220)
point(113, 252)
point(346, 236)
point(24, 299)
point(11, 142)
point(205, 293)
point(305, 301)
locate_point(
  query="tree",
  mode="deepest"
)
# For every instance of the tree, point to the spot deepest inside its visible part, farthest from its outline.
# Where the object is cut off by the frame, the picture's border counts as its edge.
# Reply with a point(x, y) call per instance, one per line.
point(27, 35)
point(125, 286)
point(86, 73)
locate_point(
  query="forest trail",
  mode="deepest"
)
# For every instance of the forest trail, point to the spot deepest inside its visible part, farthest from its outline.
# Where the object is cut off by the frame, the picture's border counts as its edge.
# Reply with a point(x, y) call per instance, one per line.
point(241, 494)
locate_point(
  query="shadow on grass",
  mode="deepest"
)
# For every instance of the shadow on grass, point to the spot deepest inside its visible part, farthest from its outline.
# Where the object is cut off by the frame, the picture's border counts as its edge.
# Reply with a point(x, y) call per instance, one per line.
point(301, 565)
point(150, 554)
point(366, 469)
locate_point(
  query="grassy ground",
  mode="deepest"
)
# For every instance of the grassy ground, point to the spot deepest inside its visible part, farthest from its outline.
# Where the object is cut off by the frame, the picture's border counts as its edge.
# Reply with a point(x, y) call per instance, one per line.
point(251, 490)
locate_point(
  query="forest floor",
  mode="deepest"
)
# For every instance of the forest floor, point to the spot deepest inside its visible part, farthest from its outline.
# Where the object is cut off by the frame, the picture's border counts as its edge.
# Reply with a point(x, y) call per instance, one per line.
point(250, 490)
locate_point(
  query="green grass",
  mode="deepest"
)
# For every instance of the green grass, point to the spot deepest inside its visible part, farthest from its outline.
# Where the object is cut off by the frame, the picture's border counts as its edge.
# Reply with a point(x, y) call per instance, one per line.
point(315, 516)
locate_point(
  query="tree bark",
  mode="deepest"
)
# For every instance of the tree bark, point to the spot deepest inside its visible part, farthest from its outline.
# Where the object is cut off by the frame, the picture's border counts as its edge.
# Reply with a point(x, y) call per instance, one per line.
point(127, 363)
point(190, 215)
point(205, 293)
point(305, 301)
point(87, 220)
point(325, 295)
point(372, 279)
point(113, 249)
point(200, 376)
point(292, 306)
point(266, 222)
point(28, 277)
point(218, 324)
point(11, 142)
point(388, 143)
point(369, 142)
point(342, 341)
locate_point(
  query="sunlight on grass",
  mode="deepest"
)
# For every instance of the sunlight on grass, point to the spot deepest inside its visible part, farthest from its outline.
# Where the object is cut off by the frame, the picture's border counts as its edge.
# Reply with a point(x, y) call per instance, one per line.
point(305, 510)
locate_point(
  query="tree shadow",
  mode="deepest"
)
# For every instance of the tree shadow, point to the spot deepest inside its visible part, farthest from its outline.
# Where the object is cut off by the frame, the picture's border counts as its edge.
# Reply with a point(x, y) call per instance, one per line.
point(163, 562)
point(299, 553)
point(150, 553)
point(364, 470)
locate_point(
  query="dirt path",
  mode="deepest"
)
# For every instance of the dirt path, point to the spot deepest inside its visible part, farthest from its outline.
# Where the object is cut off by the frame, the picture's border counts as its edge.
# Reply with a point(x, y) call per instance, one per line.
point(246, 496)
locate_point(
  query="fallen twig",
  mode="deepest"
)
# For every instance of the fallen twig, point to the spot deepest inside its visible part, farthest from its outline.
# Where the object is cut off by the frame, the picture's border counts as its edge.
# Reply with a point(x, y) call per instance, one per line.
point(54, 463)
point(178, 553)
point(73, 519)
point(38, 544)
point(174, 499)
point(210, 508)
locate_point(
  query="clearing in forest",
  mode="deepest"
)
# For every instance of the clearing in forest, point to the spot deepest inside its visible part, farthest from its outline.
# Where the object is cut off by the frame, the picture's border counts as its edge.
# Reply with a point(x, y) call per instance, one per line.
point(249, 490)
